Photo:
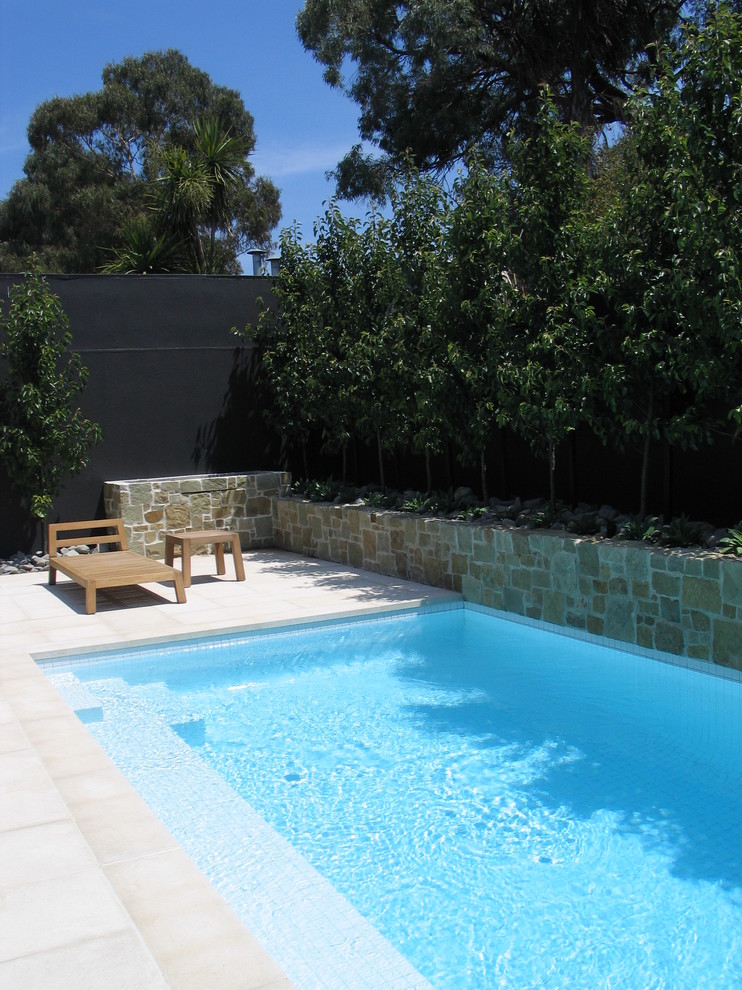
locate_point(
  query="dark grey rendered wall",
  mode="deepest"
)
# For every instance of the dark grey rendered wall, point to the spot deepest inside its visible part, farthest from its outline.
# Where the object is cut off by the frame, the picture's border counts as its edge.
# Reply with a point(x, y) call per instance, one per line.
point(170, 386)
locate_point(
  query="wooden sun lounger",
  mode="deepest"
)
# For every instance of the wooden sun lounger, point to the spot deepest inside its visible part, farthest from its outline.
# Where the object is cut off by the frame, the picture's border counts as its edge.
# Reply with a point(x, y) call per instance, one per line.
point(112, 569)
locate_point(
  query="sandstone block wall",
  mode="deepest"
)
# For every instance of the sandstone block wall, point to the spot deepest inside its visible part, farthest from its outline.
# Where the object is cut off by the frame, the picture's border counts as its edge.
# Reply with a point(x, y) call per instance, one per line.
point(676, 601)
point(238, 502)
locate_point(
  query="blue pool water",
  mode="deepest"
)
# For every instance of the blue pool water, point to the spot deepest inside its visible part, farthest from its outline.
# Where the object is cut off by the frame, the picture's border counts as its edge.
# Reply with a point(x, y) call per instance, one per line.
point(472, 802)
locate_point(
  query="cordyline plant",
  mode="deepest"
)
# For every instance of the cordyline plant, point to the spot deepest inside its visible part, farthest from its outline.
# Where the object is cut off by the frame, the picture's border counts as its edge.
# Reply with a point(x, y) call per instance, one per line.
point(44, 438)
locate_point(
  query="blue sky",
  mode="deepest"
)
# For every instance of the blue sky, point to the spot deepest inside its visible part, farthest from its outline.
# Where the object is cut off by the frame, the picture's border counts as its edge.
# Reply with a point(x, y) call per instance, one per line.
point(302, 126)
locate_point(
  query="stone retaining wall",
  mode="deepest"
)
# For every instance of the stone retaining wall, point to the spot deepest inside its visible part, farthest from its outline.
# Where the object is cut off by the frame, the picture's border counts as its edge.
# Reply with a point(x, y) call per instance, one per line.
point(676, 601)
point(239, 502)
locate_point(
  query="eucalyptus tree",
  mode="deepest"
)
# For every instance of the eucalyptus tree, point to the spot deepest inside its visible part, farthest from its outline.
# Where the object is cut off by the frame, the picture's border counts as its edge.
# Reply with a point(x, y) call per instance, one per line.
point(673, 249)
point(435, 78)
point(93, 157)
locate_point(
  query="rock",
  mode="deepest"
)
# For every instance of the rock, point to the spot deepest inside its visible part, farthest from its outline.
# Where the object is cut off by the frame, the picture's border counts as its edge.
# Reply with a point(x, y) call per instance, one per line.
point(534, 503)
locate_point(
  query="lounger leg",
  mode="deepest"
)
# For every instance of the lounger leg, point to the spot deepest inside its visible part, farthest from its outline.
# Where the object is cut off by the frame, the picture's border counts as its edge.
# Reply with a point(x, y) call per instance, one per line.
point(90, 599)
point(52, 574)
point(239, 567)
point(219, 551)
point(179, 588)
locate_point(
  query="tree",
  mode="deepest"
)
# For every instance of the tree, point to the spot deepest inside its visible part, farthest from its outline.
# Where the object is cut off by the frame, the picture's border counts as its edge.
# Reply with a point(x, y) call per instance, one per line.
point(673, 249)
point(421, 390)
point(94, 156)
point(199, 198)
point(547, 378)
point(44, 438)
point(290, 338)
point(435, 78)
point(481, 300)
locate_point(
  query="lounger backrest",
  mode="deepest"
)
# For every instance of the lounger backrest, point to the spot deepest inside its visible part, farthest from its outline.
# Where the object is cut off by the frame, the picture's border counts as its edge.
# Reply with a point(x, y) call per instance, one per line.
point(92, 532)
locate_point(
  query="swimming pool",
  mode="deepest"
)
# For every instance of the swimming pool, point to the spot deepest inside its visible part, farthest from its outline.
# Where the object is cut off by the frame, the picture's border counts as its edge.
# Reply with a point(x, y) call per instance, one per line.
point(501, 806)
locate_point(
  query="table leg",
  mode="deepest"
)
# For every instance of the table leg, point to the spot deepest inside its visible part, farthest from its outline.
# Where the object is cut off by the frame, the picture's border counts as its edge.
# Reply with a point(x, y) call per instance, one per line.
point(185, 552)
point(169, 550)
point(219, 551)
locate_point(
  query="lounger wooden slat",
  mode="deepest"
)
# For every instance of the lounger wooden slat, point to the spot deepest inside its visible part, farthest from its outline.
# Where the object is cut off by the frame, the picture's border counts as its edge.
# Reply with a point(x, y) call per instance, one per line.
point(110, 569)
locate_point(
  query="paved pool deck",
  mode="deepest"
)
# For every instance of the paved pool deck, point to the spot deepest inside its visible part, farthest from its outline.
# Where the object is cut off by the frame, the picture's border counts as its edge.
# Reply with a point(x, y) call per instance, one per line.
point(94, 891)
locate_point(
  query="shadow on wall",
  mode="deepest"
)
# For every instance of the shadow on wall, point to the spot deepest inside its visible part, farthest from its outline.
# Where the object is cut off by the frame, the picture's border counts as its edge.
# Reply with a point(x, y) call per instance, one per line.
point(240, 437)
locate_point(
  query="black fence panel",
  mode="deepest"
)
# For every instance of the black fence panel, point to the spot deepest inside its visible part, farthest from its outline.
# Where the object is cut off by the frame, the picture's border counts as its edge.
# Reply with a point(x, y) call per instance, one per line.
point(174, 391)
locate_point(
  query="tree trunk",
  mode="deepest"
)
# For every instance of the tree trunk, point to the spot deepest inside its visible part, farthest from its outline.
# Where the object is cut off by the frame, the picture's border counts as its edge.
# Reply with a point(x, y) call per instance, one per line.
point(572, 449)
point(198, 248)
point(645, 455)
point(504, 472)
point(552, 472)
point(667, 481)
point(483, 475)
point(380, 452)
point(428, 471)
point(449, 466)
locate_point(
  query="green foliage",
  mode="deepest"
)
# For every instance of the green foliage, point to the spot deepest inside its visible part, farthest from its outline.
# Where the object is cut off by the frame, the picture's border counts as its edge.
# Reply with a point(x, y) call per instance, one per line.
point(544, 519)
point(95, 157)
point(435, 78)
point(639, 528)
point(44, 438)
point(567, 291)
point(672, 248)
point(380, 500)
point(351, 347)
point(732, 543)
point(586, 524)
point(289, 336)
point(482, 299)
point(547, 378)
point(682, 532)
point(145, 251)
point(330, 490)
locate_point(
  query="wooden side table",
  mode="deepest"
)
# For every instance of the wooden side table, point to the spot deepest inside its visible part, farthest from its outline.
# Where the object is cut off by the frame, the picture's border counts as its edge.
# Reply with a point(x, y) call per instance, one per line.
point(187, 538)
